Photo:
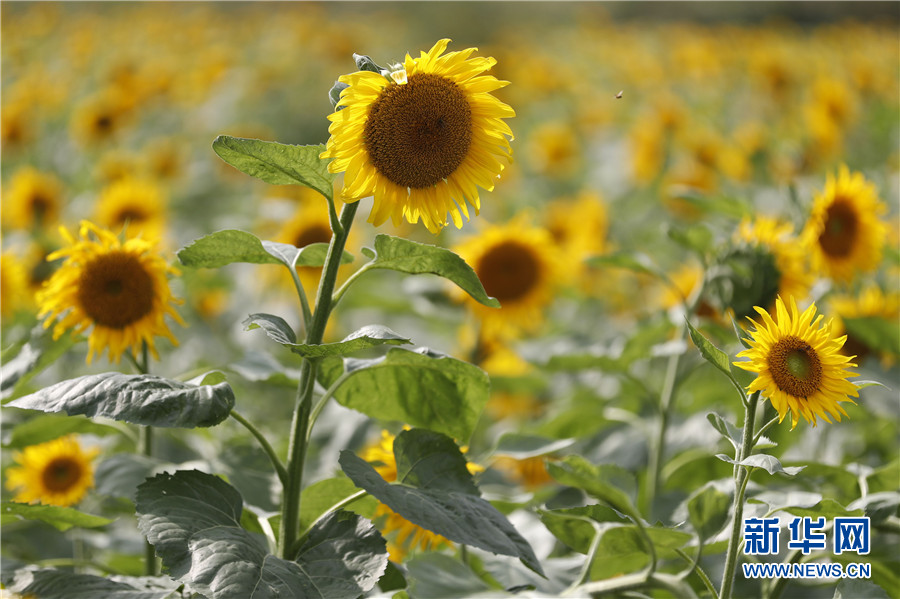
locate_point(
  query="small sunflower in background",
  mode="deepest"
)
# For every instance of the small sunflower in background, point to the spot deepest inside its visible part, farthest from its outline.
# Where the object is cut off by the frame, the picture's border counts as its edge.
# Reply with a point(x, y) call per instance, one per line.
point(137, 206)
point(309, 224)
point(422, 138)
point(100, 117)
point(844, 230)
point(875, 306)
point(14, 292)
point(402, 535)
point(117, 289)
point(522, 267)
point(798, 364)
point(33, 200)
point(57, 472)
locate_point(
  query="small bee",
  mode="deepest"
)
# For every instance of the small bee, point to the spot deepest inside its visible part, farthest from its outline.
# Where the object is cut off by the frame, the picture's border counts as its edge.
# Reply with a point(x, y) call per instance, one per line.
point(619, 95)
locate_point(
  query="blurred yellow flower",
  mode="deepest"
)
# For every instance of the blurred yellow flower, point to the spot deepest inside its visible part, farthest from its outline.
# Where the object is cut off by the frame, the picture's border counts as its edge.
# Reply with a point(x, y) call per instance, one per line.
point(57, 472)
point(309, 224)
point(137, 206)
point(14, 291)
point(32, 201)
point(870, 303)
point(844, 230)
point(798, 364)
point(422, 139)
point(100, 117)
point(118, 290)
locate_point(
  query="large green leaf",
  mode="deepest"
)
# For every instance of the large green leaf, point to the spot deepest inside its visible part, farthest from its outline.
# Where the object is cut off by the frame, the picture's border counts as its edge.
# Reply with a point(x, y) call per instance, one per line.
point(319, 497)
point(420, 388)
point(137, 398)
point(769, 463)
point(57, 584)
point(403, 255)
point(622, 549)
point(437, 575)
point(435, 491)
point(278, 164)
point(607, 482)
point(193, 521)
point(61, 518)
point(232, 246)
point(367, 337)
point(708, 510)
point(577, 526)
point(46, 427)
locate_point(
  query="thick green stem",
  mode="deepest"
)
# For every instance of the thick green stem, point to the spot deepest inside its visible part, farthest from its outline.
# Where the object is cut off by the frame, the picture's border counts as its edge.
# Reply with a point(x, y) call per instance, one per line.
point(290, 509)
point(741, 478)
point(264, 443)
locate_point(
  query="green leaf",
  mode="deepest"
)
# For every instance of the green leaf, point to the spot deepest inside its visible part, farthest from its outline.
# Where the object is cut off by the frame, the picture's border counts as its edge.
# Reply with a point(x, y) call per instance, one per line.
point(232, 246)
point(274, 326)
point(878, 506)
point(420, 388)
point(319, 497)
point(47, 427)
point(729, 432)
point(635, 262)
point(607, 482)
point(708, 510)
point(622, 549)
point(33, 357)
point(367, 337)
point(278, 164)
point(698, 238)
point(877, 334)
point(57, 584)
point(61, 518)
point(521, 446)
point(850, 588)
point(770, 464)
point(119, 475)
point(403, 255)
point(577, 526)
point(710, 352)
point(438, 575)
point(193, 521)
point(829, 508)
point(447, 503)
point(136, 398)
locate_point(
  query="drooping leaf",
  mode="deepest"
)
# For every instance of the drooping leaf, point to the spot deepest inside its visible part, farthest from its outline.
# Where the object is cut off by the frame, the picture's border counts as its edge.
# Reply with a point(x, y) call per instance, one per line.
point(275, 327)
point(278, 164)
point(577, 526)
point(58, 584)
point(769, 463)
point(403, 255)
point(607, 482)
point(61, 518)
point(622, 549)
point(448, 505)
point(193, 521)
point(420, 388)
point(365, 338)
point(729, 432)
point(710, 352)
point(136, 398)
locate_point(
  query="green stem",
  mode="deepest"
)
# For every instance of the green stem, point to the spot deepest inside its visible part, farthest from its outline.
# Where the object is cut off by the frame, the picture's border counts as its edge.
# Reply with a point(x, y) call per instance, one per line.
point(762, 430)
point(145, 448)
point(585, 574)
point(350, 280)
point(696, 569)
point(301, 293)
point(264, 443)
point(290, 509)
point(741, 478)
point(320, 405)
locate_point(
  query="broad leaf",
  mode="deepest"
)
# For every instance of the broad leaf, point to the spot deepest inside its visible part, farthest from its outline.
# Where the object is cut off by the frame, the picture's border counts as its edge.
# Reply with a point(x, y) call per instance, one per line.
point(520, 446)
point(876, 333)
point(140, 399)
point(319, 497)
point(439, 575)
point(57, 584)
point(278, 164)
point(850, 588)
point(32, 358)
point(770, 464)
point(577, 526)
point(61, 518)
point(365, 338)
point(622, 549)
point(275, 327)
point(448, 505)
point(708, 510)
point(710, 352)
point(403, 255)
point(729, 432)
point(420, 388)
point(193, 521)
point(232, 246)
point(607, 482)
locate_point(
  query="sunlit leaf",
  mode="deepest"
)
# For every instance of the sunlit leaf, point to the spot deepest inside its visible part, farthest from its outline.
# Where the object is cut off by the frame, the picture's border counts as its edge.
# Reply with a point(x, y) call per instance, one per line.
point(770, 464)
point(274, 326)
point(232, 246)
point(710, 352)
point(58, 584)
point(61, 518)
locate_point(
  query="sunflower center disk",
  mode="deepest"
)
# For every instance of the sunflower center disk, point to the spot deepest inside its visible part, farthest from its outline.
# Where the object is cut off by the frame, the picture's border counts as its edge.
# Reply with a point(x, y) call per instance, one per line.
point(115, 290)
point(795, 367)
point(508, 271)
point(313, 234)
point(60, 474)
point(839, 234)
point(130, 215)
point(418, 133)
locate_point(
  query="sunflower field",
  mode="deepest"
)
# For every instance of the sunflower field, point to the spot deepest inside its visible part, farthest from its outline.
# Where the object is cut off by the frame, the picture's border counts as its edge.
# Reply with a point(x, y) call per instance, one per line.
point(450, 300)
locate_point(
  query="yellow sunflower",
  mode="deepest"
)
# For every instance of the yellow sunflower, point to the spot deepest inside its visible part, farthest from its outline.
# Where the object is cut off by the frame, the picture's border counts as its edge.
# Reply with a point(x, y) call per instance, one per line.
point(136, 205)
point(422, 138)
point(402, 535)
point(117, 289)
point(309, 224)
point(798, 364)
point(844, 231)
point(871, 302)
point(32, 201)
point(522, 267)
point(14, 291)
point(57, 472)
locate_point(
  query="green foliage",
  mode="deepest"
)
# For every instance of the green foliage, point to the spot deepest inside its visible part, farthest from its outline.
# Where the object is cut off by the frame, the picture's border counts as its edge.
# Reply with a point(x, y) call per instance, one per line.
point(23, 362)
point(57, 584)
point(421, 388)
point(708, 510)
point(610, 483)
point(770, 464)
point(367, 337)
point(577, 526)
point(449, 505)
point(710, 352)
point(61, 518)
point(46, 427)
point(193, 520)
point(403, 255)
point(139, 399)
point(440, 576)
point(876, 333)
point(318, 498)
point(623, 549)
point(232, 246)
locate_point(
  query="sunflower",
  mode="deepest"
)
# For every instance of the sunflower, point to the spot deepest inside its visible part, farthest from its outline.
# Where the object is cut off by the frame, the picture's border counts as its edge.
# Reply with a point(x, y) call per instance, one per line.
point(119, 289)
point(33, 200)
point(798, 364)
point(100, 117)
point(422, 138)
point(57, 472)
point(135, 205)
point(309, 224)
point(402, 535)
point(844, 230)
point(870, 303)
point(522, 267)
point(14, 291)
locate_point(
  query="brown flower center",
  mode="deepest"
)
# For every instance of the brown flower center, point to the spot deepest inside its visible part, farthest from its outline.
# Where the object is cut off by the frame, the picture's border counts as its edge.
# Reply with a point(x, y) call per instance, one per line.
point(795, 367)
point(115, 290)
point(41, 207)
point(418, 133)
point(838, 237)
point(314, 234)
point(508, 271)
point(132, 214)
point(61, 474)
